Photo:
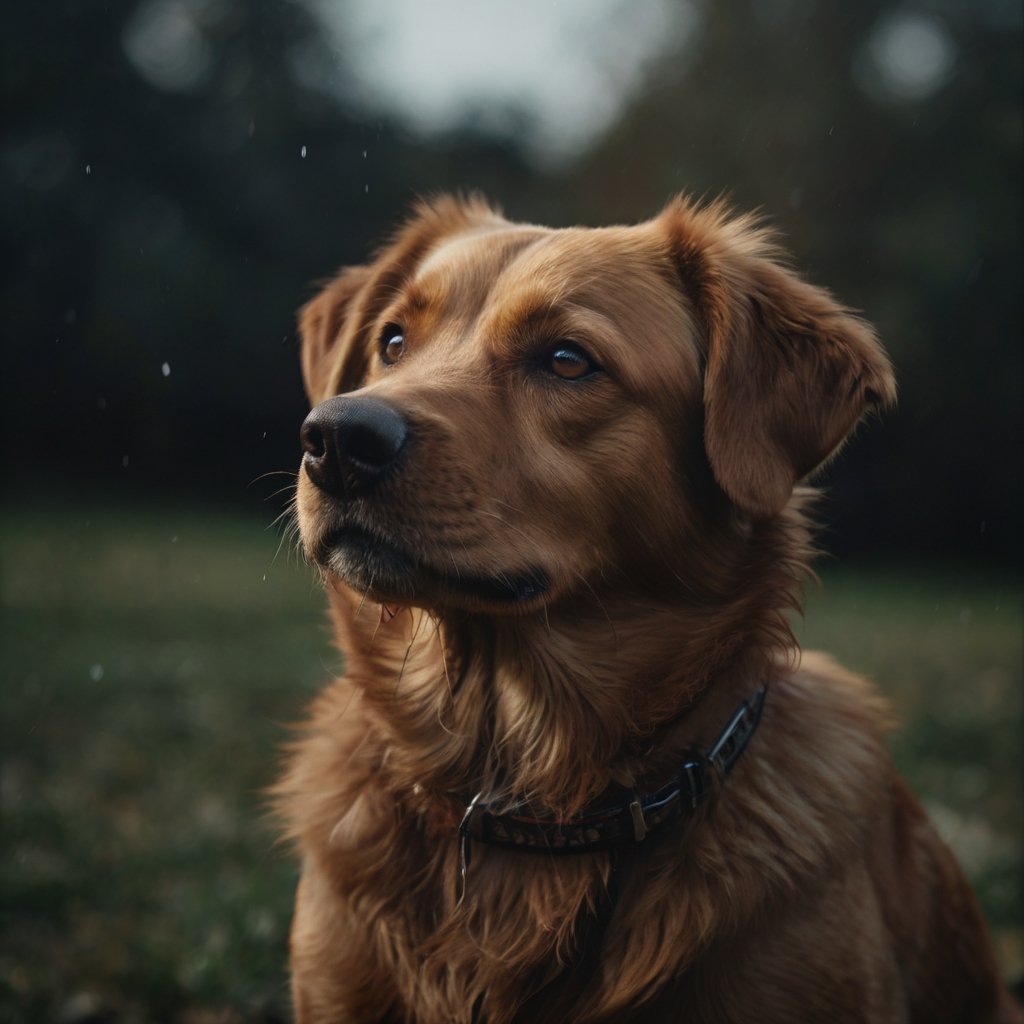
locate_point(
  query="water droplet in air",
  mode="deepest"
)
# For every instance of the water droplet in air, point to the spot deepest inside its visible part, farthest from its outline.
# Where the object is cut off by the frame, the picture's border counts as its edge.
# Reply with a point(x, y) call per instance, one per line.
point(166, 369)
point(303, 153)
point(96, 673)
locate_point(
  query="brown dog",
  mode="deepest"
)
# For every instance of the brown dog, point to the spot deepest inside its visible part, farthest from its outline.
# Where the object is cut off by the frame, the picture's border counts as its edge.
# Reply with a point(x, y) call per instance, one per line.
point(550, 481)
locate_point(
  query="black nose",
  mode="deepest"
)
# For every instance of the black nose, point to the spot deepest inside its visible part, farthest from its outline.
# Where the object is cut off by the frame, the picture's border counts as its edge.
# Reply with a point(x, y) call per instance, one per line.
point(349, 443)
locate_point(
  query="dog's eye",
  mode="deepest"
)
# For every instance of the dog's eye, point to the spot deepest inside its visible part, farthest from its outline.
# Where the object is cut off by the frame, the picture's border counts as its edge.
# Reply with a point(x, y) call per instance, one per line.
point(392, 344)
point(570, 362)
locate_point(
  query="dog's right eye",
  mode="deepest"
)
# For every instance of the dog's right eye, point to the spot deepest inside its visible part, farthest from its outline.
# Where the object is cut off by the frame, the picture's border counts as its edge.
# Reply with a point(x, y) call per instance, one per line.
point(392, 344)
point(570, 362)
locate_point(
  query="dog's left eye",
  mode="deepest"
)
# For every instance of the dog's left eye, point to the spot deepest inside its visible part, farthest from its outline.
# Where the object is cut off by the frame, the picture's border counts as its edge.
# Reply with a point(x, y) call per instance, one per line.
point(570, 362)
point(392, 344)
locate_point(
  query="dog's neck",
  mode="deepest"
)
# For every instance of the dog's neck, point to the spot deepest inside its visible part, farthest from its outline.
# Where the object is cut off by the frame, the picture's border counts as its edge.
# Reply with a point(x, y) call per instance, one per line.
point(553, 707)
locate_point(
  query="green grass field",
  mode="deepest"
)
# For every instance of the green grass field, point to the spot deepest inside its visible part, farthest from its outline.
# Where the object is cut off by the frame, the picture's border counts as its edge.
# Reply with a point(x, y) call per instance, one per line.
point(151, 660)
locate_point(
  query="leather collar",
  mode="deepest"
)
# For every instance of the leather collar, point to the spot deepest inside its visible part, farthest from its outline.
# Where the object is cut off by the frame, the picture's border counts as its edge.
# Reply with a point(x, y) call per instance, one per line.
point(629, 820)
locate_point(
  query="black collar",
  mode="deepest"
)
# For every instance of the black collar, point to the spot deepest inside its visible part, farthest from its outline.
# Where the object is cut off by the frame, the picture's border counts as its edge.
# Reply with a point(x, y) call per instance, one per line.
point(631, 819)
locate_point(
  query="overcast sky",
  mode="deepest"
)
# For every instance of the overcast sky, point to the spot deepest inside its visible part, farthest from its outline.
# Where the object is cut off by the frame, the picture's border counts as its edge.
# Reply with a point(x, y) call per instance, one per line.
point(567, 66)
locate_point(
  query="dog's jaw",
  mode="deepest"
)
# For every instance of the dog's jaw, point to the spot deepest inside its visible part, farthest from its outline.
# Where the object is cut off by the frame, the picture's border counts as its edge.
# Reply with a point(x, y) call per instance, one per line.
point(383, 570)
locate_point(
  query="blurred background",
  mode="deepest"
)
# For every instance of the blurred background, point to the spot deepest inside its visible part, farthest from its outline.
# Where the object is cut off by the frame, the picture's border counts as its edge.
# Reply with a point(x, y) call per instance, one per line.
point(175, 175)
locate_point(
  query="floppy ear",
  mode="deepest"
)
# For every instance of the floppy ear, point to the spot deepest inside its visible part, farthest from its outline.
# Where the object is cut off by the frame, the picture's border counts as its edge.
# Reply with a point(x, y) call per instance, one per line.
point(320, 330)
point(336, 325)
point(788, 371)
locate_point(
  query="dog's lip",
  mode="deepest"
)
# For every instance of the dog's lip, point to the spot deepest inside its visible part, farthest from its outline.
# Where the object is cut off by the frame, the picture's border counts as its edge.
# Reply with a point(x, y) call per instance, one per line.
point(391, 573)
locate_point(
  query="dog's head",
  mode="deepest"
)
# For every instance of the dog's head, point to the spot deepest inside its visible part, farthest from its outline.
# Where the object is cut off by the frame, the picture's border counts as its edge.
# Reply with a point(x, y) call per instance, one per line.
point(504, 415)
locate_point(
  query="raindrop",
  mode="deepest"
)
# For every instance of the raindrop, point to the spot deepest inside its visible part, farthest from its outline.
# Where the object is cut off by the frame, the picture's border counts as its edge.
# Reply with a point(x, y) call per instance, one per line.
point(174, 539)
point(366, 189)
point(303, 153)
point(88, 168)
point(166, 369)
point(124, 461)
point(364, 154)
point(96, 673)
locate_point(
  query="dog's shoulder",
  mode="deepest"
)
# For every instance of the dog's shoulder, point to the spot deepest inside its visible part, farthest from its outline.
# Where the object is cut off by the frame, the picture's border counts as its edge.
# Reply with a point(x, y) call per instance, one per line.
point(826, 731)
point(827, 696)
point(816, 777)
point(327, 765)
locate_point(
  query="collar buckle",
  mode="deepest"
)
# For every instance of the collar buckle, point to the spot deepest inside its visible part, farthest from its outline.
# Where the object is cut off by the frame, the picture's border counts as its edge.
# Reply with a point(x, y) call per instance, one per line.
point(636, 812)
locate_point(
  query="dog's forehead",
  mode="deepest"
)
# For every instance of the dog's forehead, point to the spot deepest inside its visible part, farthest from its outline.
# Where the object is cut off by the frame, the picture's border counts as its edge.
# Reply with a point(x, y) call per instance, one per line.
point(618, 270)
point(465, 266)
point(591, 265)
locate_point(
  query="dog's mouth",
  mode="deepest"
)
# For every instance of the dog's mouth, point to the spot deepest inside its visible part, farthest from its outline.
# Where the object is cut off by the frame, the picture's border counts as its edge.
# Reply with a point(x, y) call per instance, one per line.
point(391, 574)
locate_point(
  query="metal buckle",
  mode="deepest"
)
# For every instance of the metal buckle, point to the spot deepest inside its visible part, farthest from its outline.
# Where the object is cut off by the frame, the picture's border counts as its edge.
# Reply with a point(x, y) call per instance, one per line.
point(636, 812)
point(695, 777)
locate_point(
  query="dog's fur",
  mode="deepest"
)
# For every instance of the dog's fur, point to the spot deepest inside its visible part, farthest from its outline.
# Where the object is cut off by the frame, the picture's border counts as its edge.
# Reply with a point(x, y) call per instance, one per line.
point(655, 504)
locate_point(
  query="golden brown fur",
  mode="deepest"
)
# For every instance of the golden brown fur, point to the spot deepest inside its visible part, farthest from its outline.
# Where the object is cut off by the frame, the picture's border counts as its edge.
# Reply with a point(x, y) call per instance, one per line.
point(657, 502)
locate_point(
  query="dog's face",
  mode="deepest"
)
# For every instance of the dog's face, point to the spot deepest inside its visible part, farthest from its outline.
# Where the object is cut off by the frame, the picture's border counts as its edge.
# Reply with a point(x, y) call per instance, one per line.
point(505, 415)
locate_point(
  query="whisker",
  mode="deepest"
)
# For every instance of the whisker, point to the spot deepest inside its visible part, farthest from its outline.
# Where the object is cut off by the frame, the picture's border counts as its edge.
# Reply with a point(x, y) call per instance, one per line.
point(289, 488)
point(273, 472)
point(290, 528)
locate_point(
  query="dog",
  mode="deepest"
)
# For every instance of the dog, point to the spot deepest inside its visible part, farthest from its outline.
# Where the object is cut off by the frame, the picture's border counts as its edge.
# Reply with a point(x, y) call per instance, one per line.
point(577, 769)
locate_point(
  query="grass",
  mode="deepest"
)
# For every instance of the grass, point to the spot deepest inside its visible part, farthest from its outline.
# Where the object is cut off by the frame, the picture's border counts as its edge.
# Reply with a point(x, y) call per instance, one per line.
point(148, 663)
point(149, 659)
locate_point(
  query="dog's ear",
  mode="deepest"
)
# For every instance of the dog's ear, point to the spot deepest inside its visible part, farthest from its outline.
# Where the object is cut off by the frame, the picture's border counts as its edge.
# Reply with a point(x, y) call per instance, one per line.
point(320, 329)
point(336, 326)
point(788, 371)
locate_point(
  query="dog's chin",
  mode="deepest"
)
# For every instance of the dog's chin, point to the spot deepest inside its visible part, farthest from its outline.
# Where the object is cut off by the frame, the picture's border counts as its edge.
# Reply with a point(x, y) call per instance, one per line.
point(390, 574)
